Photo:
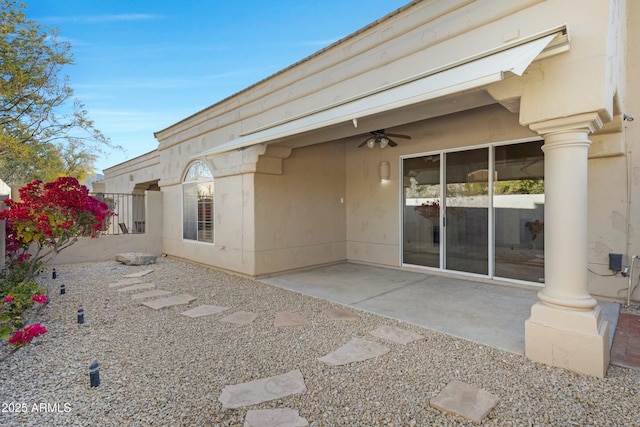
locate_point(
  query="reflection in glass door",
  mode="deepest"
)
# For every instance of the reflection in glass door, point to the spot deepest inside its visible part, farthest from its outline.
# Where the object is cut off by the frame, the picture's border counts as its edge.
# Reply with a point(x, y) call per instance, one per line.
point(467, 211)
point(421, 211)
point(518, 205)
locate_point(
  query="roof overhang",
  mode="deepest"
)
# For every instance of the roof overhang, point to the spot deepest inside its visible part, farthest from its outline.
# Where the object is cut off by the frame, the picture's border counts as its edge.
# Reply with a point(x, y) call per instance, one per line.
point(463, 75)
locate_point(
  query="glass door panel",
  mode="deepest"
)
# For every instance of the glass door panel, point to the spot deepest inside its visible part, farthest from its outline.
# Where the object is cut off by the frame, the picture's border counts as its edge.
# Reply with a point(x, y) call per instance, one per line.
point(519, 212)
point(467, 211)
point(421, 211)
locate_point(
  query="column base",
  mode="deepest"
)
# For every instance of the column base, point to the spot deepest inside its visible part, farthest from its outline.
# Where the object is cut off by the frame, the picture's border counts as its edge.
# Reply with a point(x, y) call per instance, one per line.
point(570, 339)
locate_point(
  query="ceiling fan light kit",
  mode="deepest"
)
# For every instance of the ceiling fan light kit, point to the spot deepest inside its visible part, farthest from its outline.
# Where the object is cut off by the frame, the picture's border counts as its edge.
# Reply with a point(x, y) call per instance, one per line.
point(382, 138)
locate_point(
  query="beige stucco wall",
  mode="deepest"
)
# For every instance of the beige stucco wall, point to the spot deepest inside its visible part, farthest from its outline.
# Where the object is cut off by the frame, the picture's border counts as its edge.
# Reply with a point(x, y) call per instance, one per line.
point(583, 75)
point(270, 222)
point(607, 222)
point(300, 215)
point(631, 106)
point(233, 225)
point(614, 182)
point(122, 178)
point(103, 248)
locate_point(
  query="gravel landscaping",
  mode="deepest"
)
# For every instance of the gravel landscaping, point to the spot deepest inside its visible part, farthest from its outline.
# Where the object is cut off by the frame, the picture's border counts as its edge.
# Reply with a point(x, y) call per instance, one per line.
point(160, 368)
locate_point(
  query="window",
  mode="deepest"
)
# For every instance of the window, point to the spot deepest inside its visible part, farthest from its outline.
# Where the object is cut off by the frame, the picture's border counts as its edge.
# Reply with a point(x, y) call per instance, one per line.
point(197, 203)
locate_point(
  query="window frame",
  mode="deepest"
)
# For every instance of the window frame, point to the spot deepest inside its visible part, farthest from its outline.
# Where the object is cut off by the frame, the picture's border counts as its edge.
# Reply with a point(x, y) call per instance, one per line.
point(196, 226)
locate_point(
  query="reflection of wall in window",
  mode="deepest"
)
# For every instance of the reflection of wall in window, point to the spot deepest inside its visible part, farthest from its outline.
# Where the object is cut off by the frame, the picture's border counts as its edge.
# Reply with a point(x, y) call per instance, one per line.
point(467, 229)
point(512, 212)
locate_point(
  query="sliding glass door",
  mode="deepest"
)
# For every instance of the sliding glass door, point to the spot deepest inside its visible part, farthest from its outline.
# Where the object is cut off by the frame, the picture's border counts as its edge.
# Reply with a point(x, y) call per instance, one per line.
point(421, 211)
point(467, 211)
point(519, 211)
point(477, 211)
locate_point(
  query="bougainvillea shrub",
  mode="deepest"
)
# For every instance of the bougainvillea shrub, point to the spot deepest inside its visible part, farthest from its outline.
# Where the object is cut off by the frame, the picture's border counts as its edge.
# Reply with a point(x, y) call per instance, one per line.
point(48, 218)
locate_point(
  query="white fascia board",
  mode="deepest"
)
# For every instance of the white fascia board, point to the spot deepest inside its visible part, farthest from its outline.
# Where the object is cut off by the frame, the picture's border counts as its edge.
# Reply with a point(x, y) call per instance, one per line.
point(442, 82)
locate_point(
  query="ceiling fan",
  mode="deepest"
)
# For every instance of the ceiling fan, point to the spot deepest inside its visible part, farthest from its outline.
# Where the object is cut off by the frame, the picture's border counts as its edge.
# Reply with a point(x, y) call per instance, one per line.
point(382, 138)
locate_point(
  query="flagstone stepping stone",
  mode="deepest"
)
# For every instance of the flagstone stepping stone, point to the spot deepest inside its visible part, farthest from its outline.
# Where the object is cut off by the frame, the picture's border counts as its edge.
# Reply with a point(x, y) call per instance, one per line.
point(125, 282)
point(285, 318)
point(138, 287)
point(355, 350)
point(139, 273)
point(396, 335)
point(342, 314)
point(136, 258)
point(204, 310)
point(240, 318)
point(150, 294)
point(182, 299)
point(279, 417)
point(465, 400)
point(263, 390)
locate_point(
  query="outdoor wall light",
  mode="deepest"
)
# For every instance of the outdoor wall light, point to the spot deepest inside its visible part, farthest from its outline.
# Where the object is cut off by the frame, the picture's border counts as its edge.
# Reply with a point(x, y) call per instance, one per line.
point(385, 171)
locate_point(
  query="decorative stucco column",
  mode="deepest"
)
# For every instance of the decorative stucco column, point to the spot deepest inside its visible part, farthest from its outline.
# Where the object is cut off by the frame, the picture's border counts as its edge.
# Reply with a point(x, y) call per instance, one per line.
point(566, 327)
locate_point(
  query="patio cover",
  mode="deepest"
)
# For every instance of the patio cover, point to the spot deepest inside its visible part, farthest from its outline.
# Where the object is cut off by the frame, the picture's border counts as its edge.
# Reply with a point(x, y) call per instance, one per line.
point(470, 73)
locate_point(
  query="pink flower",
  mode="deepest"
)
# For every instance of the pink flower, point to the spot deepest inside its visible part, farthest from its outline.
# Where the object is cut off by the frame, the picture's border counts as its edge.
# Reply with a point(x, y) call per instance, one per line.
point(8, 299)
point(16, 339)
point(25, 335)
point(39, 299)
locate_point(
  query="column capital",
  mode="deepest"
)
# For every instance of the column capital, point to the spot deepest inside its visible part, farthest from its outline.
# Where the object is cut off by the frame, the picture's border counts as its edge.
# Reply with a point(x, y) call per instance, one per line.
point(586, 122)
point(259, 158)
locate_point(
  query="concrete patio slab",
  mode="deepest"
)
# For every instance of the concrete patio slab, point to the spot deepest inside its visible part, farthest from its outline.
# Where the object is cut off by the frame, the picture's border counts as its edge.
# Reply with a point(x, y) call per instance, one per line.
point(280, 417)
point(488, 314)
point(240, 318)
point(139, 273)
point(125, 282)
point(345, 283)
point(355, 350)
point(342, 314)
point(465, 400)
point(396, 335)
point(150, 294)
point(182, 299)
point(285, 318)
point(204, 310)
point(263, 390)
point(138, 287)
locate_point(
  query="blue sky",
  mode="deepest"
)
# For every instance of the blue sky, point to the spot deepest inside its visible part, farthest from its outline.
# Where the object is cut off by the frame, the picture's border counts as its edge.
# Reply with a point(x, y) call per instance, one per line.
point(142, 65)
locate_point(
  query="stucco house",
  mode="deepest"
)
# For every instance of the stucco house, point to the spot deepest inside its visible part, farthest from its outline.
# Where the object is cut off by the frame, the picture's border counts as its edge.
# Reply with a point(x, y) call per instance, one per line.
point(487, 139)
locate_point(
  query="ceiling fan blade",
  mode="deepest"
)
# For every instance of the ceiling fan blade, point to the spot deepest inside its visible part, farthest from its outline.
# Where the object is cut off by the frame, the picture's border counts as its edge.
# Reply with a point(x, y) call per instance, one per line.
point(363, 143)
point(392, 143)
point(395, 135)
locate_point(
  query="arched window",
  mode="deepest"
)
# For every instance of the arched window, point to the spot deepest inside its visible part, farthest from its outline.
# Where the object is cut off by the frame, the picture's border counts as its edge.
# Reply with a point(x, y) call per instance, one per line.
point(197, 203)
